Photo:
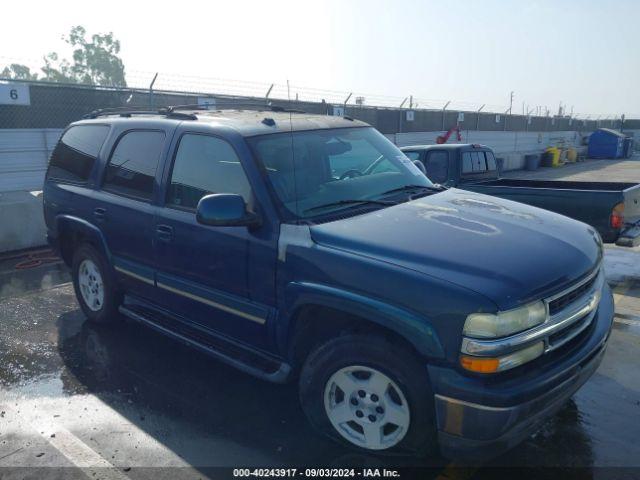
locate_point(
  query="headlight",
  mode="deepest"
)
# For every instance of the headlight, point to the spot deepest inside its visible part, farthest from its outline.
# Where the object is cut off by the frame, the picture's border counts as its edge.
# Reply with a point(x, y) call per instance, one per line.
point(503, 324)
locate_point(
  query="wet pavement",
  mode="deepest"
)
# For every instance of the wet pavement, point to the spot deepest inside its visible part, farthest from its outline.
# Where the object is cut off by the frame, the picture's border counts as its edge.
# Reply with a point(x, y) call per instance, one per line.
point(100, 402)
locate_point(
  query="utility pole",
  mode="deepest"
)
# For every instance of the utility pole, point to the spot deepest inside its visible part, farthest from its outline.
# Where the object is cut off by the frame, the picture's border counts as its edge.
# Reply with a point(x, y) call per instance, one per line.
point(510, 102)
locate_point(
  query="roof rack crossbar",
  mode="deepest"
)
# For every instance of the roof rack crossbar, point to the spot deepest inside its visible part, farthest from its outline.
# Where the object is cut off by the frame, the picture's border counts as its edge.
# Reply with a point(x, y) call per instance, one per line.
point(172, 111)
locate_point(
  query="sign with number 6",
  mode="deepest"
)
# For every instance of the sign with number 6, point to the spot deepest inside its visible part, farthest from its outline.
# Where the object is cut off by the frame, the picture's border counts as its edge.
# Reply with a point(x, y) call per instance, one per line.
point(14, 94)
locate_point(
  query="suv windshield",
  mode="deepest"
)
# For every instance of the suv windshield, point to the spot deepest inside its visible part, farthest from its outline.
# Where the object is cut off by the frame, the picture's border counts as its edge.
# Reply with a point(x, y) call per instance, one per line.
point(336, 169)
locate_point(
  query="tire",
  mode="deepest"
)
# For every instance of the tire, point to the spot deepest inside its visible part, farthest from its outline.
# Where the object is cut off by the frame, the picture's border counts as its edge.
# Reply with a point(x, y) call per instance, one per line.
point(382, 381)
point(90, 271)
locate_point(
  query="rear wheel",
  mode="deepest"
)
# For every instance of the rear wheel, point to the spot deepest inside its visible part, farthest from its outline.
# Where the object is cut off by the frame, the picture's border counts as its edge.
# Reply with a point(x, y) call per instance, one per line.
point(370, 393)
point(95, 289)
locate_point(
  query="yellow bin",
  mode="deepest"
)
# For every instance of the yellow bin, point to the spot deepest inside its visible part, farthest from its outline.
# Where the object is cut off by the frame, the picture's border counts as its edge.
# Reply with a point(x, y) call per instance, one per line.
point(553, 156)
point(572, 155)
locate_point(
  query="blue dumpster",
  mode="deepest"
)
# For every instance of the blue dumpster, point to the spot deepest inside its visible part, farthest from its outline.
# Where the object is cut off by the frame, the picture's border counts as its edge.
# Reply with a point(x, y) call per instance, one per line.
point(606, 143)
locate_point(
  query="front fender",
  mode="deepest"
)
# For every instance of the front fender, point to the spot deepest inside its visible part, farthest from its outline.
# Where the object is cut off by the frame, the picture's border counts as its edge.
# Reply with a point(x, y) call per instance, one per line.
point(414, 328)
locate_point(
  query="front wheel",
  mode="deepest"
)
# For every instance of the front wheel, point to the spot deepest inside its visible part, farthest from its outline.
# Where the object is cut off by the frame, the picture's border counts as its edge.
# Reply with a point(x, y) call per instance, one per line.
point(370, 393)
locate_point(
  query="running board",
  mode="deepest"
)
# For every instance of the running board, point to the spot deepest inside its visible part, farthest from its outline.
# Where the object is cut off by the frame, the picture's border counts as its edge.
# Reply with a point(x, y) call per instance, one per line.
point(270, 369)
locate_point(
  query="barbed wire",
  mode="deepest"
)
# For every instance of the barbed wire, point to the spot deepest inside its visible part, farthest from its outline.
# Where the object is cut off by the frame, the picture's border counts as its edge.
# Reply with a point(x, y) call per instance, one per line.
point(187, 83)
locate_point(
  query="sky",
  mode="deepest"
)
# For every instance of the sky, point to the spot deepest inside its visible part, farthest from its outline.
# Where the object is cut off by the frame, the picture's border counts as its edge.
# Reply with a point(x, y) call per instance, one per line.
point(581, 53)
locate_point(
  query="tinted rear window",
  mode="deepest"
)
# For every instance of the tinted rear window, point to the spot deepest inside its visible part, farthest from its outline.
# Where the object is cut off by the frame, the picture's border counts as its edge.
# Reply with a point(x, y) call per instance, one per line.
point(133, 164)
point(76, 152)
point(491, 161)
point(478, 162)
point(467, 163)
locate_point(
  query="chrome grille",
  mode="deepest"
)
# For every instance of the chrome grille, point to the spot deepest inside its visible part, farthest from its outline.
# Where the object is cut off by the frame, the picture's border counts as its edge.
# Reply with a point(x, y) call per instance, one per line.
point(560, 303)
point(574, 308)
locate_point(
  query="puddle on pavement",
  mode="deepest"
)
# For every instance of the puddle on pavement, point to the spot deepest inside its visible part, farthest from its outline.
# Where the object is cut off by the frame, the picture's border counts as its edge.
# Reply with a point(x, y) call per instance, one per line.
point(173, 393)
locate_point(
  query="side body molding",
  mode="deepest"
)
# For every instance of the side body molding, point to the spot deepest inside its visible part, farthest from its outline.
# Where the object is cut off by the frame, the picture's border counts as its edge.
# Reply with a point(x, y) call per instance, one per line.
point(410, 326)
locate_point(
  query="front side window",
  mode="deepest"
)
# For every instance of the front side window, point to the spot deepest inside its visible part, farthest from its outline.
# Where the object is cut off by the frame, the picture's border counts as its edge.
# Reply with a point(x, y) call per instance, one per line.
point(438, 166)
point(133, 164)
point(309, 170)
point(413, 155)
point(205, 165)
point(75, 154)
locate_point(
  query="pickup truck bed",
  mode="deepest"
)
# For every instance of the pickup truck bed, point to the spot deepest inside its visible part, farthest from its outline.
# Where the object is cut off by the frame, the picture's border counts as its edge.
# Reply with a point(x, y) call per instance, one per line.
point(590, 202)
point(612, 208)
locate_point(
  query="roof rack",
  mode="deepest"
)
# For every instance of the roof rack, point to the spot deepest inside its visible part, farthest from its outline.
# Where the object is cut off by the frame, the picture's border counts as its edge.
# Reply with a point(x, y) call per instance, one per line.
point(128, 112)
point(172, 111)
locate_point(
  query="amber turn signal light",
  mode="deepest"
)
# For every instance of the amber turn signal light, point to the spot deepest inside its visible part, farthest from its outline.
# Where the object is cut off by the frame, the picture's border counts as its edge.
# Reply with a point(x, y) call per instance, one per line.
point(479, 365)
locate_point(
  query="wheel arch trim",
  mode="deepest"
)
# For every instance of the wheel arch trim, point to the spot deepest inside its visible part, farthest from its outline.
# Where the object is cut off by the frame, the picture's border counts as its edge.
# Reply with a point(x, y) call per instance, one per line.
point(86, 228)
point(413, 328)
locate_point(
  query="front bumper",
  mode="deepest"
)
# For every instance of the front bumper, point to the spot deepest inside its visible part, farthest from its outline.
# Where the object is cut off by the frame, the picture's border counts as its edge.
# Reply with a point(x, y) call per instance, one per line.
point(480, 417)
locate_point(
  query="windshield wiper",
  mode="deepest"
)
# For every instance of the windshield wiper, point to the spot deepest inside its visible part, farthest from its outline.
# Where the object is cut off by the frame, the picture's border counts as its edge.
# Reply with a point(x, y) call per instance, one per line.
point(351, 202)
point(405, 188)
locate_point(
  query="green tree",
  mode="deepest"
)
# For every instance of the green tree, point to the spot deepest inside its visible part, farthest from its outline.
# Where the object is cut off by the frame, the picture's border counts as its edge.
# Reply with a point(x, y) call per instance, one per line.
point(18, 72)
point(95, 61)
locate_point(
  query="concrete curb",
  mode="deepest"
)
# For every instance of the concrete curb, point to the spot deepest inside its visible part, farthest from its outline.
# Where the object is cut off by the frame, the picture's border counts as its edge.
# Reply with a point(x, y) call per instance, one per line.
point(21, 221)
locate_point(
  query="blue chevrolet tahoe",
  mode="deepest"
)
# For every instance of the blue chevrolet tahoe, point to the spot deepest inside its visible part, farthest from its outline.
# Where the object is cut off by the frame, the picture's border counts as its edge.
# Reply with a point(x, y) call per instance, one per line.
point(308, 248)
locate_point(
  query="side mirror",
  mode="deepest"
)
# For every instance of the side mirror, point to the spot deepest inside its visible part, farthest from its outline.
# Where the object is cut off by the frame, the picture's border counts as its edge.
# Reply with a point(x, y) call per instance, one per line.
point(225, 210)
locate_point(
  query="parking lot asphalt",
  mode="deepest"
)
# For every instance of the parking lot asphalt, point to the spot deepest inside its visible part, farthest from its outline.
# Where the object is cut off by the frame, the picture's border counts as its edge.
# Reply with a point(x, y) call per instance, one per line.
point(122, 402)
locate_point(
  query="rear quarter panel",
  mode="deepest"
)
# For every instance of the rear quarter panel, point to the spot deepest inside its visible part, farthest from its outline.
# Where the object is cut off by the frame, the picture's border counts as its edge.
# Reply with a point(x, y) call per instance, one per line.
point(632, 204)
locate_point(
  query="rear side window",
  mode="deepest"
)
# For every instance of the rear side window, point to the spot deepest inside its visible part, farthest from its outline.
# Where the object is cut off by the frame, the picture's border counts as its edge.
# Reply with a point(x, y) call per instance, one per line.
point(76, 153)
point(133, 164)
point(438, 166)
point(205, 165)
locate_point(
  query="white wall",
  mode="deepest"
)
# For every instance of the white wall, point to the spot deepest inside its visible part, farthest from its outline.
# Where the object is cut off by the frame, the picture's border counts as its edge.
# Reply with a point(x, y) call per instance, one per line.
point(24, 154)
point(512, 146)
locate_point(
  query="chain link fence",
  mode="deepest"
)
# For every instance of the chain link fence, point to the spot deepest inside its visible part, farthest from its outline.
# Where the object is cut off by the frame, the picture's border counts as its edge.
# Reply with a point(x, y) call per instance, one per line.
point(33, 114)
point(53, 105)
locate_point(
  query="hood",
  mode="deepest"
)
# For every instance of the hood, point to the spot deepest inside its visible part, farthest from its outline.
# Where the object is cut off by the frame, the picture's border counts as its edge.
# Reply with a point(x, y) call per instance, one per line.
point(509, 252)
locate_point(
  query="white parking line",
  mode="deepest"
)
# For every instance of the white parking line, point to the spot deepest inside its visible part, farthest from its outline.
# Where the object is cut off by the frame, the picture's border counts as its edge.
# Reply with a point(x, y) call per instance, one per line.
point(71, 447)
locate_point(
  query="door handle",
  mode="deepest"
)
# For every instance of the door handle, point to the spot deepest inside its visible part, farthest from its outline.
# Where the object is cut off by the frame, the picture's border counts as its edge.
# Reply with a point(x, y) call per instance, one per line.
point(164, 232)
point(100, 213)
